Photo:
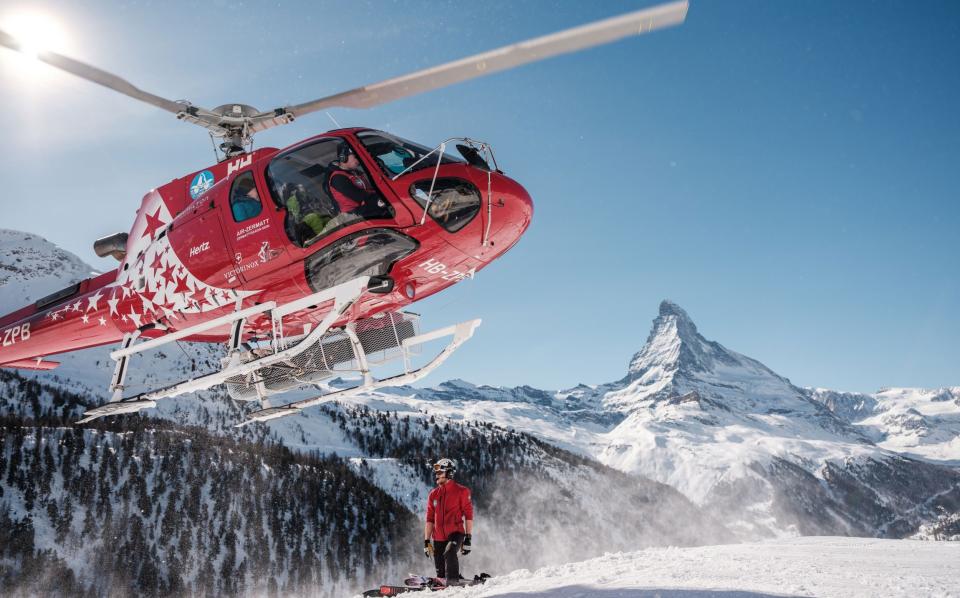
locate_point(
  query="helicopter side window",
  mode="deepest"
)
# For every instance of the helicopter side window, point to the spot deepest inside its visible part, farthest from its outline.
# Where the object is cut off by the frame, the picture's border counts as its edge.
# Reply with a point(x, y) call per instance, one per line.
point(453, 204)
point(244, 198)
point(299, 182)
point(394, 155)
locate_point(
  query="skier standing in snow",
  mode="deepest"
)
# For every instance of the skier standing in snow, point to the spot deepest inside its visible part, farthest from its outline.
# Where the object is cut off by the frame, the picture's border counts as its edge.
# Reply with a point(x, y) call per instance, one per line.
point(449, 522)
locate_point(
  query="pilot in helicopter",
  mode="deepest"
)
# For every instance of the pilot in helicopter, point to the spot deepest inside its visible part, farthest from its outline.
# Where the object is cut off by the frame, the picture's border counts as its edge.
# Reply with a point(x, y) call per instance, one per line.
point(351, 188)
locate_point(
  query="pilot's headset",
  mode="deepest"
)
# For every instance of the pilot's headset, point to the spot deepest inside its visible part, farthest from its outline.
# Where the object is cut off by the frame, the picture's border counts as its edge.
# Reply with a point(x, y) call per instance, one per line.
point(343, 152)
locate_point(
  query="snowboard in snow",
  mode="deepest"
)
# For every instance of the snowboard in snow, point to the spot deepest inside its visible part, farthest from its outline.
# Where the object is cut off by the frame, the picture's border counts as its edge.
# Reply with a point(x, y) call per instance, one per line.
point(390, 591)
point(421, 583)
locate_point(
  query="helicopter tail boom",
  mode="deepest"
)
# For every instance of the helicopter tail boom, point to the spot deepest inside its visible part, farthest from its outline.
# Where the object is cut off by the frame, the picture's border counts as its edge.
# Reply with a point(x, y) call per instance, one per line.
point(75, 317)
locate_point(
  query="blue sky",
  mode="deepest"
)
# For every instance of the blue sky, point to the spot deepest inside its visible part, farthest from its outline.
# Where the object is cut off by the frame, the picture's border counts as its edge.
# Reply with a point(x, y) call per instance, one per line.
point(786, 172)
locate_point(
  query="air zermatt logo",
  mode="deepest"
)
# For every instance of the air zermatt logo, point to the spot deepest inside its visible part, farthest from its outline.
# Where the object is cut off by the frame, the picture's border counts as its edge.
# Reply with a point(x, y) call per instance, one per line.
point(200, 183)
point(239, 163)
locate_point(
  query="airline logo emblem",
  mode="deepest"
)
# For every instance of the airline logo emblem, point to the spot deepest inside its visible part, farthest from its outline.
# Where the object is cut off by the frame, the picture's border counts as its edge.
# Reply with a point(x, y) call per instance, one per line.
point(200, 183)
point(239, 163)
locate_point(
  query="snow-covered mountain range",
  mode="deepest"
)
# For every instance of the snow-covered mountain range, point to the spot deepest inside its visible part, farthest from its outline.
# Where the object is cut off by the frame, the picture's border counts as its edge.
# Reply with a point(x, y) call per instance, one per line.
point(741, 440)
point(690, 422)
point(916, 422)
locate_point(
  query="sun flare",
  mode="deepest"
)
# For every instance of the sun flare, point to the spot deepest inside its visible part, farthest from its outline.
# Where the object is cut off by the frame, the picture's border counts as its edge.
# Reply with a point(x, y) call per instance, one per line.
point(35, 32)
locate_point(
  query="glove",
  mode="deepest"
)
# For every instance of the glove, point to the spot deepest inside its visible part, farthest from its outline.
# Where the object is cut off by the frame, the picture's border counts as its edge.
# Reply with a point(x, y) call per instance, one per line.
point(465, 548)
point(427, 548)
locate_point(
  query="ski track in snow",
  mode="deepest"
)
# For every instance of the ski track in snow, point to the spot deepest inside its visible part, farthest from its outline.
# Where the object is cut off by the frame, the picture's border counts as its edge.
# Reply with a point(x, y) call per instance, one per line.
point(811, 566)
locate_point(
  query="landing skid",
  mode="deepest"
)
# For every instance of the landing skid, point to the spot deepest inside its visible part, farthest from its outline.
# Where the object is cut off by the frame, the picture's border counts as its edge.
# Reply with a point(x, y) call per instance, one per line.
point(246, 375)
point(461, 333)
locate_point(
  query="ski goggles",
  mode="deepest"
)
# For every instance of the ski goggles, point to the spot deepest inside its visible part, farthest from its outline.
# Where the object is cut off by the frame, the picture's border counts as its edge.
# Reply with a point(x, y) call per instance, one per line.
point(437, 468)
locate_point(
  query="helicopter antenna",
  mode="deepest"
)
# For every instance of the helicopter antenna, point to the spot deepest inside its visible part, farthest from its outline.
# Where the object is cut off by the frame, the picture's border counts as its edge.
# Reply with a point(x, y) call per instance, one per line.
point(216, 154)
point(235, 123)
point(327, 112)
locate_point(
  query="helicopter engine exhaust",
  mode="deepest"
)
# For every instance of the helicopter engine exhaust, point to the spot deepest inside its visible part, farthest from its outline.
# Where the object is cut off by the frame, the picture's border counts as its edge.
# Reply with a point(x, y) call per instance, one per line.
point(115, 245)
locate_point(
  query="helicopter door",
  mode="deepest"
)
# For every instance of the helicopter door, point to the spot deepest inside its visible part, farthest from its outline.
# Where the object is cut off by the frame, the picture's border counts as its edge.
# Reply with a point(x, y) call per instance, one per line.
point(254, 228)
point(198, 242)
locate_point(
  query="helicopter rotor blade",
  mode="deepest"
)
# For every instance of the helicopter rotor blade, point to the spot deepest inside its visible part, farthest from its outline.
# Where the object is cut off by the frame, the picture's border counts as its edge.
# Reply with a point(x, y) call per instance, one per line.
point(183, 110)
point(507, 57)
point(236, 122)
point(90, 73)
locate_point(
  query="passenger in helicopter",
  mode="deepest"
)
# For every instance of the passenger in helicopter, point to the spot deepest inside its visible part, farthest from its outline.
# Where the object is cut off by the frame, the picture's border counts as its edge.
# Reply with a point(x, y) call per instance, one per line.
point(309, 217)
point(245, 201)
point(351, 188)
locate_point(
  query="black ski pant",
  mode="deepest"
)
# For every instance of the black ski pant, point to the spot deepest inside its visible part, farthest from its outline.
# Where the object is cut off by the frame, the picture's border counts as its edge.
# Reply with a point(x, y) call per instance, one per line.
point(445, 556)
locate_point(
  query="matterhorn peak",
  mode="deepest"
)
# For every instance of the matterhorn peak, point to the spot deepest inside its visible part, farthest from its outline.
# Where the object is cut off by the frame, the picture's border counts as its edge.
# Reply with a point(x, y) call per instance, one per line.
point(673, 318)
point(677, 360)
point(669, 308)
point(673, 338)
point(675, 345)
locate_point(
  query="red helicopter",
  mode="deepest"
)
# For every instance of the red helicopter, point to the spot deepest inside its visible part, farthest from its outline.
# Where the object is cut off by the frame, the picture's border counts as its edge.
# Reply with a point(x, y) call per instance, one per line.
point(259, 251)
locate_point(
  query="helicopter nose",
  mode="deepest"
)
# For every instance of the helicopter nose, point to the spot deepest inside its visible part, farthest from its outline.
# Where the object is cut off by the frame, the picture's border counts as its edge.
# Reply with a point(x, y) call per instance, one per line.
point(514, 209)
point(524, 207)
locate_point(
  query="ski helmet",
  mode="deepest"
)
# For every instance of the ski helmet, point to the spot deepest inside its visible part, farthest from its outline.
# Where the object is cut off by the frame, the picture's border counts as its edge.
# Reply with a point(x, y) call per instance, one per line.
point(447, 466)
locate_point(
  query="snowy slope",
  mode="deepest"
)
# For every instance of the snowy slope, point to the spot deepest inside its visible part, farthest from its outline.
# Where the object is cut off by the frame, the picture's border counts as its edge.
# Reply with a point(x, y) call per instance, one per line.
point(32, 267)
point(815, 566)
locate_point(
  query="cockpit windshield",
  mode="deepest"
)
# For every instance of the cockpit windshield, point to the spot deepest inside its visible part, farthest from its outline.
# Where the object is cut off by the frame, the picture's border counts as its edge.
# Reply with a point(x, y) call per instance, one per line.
point(394, 155)
point(323, 187)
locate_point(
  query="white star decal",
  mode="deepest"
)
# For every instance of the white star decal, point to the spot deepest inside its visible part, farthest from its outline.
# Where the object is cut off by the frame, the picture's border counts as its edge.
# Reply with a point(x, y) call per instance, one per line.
point(134, 318)
point(55, 315)
point(93, 301)
point(161, 298)
point(113, 305)
point(103, 322)
point(85, 318)
point(76, 306)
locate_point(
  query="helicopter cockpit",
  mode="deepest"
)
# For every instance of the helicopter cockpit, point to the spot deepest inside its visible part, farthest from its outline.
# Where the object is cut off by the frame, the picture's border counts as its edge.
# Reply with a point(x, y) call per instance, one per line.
point(299, 182)
point(395, 155)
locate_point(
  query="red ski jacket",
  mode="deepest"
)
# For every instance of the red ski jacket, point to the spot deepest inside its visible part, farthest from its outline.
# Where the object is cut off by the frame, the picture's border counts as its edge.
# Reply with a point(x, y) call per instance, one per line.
point(447, 506)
